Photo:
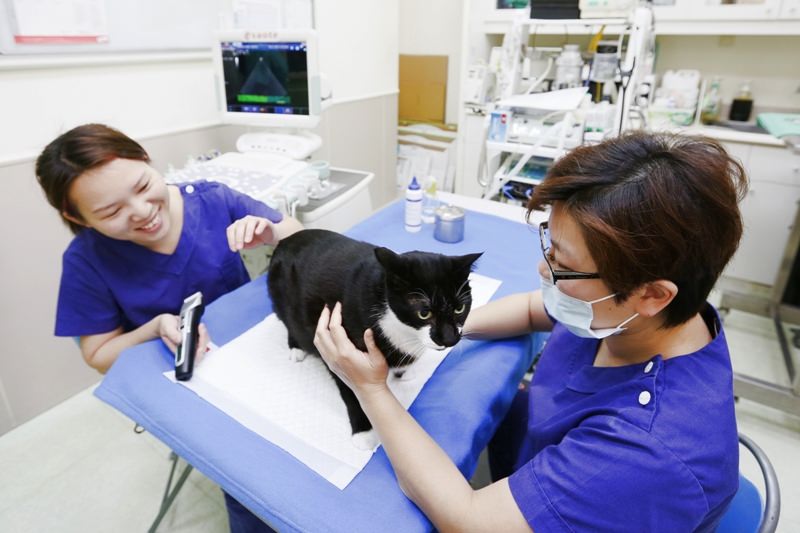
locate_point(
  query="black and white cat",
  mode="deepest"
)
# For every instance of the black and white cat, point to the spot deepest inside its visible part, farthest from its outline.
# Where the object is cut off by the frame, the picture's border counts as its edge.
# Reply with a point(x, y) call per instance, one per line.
point(412, 301)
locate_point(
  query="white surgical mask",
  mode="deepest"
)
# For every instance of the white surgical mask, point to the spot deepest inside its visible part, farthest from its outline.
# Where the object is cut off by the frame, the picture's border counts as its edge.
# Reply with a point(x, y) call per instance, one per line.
point(576, 315)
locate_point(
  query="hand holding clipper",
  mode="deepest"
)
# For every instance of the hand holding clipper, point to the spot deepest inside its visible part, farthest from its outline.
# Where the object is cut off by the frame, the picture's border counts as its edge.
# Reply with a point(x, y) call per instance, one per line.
point(191, 311)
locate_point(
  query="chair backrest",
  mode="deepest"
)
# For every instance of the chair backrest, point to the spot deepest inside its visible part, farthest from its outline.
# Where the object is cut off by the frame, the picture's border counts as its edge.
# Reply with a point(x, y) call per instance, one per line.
point(746, 513)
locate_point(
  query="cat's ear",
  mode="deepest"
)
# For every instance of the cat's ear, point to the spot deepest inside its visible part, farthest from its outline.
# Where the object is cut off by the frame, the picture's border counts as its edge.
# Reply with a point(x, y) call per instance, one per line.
point(389, 260)
point(466, 261)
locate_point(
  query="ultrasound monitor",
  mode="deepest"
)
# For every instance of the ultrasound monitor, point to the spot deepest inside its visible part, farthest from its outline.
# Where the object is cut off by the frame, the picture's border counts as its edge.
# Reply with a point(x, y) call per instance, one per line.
point(268, 78)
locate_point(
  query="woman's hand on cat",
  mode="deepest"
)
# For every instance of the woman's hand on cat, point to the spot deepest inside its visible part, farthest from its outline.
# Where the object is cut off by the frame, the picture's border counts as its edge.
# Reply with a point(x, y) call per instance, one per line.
point(249, 232)
point(363, 372)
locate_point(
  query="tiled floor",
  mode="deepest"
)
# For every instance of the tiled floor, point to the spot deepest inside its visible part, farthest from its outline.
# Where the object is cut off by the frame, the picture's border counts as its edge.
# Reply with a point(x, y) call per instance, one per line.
point(81, 468)
point(755, 351)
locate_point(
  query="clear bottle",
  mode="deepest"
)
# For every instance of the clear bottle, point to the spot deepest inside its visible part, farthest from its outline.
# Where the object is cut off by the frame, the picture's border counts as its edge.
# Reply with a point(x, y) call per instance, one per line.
point(742, 105)
point(430, 201)
point(712, 103)
point(569, 65)
point(603, 72)
point(604, 63)
point(413, 213)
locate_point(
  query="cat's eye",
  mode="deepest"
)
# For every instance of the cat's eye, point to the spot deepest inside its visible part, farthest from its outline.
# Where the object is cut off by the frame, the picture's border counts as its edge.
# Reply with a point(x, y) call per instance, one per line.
point(460, 309)
point(424, 315)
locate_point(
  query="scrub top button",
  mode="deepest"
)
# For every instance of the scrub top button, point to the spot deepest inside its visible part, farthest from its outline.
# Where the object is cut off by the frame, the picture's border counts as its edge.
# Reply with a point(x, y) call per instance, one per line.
point(649, 367)
point(644, 397)
point(189, 189)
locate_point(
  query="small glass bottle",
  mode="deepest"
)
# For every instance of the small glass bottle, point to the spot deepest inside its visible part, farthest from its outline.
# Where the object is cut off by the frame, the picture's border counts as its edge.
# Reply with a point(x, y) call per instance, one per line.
point(712, 103)
point(429, 201)
point(742, 105)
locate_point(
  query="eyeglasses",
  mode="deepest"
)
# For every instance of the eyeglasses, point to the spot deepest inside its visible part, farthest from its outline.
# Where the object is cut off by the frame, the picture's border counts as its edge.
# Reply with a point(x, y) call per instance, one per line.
point(544, 238)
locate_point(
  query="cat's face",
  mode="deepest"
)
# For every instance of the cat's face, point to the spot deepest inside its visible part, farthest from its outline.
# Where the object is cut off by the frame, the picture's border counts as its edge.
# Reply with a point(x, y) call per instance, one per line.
point(429, 296)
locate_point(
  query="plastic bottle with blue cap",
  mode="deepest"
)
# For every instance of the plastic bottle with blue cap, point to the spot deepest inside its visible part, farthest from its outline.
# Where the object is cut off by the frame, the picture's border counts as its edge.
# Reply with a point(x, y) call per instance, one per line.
point(413, 214)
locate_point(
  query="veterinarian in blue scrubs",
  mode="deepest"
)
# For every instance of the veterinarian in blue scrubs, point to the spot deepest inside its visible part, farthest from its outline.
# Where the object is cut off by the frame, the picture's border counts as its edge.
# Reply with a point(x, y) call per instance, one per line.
point(628, 423)
point(142, 246)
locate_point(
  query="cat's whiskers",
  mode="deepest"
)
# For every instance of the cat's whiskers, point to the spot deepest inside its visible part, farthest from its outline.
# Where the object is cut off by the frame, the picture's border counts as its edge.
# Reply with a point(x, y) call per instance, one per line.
point(463, 295)
point(410, 357)
point(411, 350)
point(373, 318)
point(458, 291)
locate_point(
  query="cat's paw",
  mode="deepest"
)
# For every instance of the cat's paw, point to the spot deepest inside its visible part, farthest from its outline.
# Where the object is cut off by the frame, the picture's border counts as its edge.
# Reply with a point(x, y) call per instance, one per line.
point(297, 355)
point(366, 440)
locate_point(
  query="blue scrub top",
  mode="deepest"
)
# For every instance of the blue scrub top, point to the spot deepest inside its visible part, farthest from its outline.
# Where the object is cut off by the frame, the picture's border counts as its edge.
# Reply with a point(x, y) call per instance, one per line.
point(646, 447)
point(107, 283)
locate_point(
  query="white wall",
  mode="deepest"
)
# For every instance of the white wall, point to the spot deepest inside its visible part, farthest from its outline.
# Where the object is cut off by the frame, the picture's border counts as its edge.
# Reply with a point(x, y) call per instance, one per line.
point(433, 27)
point(167, 102)
point(359, 46)
point(151, 95)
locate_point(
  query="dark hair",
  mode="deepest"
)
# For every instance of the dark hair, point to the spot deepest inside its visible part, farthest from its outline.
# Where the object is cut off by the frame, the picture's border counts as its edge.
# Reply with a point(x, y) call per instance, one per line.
point(75, 152)
point(650, 207)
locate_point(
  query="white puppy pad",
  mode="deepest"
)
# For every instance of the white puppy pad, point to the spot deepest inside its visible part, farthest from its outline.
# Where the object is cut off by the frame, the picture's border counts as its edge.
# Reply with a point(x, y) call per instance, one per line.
point(296, 404)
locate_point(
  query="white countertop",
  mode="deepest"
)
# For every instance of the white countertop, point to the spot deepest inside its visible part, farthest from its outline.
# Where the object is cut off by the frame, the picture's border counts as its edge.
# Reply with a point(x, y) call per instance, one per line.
point(730, 135)
point(719, 133)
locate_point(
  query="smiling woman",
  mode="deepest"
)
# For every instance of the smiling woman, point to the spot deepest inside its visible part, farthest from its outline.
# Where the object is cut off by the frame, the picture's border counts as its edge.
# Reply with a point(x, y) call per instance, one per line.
point(141, 246)
point(128, 200)
point(83, 149)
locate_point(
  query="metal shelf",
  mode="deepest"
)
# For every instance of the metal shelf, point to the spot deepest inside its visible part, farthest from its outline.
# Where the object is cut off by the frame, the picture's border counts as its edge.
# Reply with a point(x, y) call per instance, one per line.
point(520, 148)
point(559, 26)
point(579, 22)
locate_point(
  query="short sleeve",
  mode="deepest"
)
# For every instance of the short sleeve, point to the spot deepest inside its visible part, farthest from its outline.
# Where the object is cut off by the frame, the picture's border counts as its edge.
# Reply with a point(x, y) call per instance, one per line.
point(241, 205)
point(608, 476)
point(85, 303)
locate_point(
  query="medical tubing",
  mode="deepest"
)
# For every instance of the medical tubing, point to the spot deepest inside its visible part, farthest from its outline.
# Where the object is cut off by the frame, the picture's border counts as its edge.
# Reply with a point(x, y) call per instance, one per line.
point(482, 163)
point(535, 83)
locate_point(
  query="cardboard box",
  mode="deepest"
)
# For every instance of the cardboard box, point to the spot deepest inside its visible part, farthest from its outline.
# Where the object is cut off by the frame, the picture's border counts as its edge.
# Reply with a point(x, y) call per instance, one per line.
point(423, 88)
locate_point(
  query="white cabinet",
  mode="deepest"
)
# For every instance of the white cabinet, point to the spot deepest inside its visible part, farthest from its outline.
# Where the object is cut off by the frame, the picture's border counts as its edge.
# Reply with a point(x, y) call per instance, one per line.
point(768, 210)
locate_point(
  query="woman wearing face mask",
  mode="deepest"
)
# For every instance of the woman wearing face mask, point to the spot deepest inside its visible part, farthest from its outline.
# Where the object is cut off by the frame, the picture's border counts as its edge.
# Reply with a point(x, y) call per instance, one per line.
point(628, 423)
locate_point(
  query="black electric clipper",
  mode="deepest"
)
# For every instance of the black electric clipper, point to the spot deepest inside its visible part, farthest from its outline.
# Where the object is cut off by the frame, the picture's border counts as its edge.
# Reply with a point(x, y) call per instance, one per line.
point(191, 311)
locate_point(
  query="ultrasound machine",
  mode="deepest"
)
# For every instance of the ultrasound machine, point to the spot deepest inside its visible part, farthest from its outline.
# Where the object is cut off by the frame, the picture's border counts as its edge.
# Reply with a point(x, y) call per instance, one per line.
point(270, 80)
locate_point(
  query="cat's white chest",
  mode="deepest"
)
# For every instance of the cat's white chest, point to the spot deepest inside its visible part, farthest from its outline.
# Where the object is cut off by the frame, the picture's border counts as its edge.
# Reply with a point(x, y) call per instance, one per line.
point(404, 337)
